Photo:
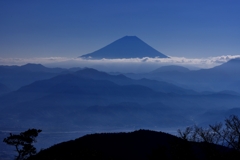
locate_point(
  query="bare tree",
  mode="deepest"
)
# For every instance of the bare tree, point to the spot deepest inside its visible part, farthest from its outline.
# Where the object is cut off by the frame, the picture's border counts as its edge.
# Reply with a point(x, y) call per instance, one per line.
point(226, 135)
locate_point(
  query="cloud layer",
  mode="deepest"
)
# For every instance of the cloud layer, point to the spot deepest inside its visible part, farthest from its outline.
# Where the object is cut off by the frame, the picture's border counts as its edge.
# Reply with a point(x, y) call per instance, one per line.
point(122, 64)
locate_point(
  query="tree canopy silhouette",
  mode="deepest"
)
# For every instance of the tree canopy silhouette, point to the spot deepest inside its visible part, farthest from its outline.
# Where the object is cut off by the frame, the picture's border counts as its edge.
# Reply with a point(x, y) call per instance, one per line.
point(221, 134)
point(227, 134)
point(23, 143)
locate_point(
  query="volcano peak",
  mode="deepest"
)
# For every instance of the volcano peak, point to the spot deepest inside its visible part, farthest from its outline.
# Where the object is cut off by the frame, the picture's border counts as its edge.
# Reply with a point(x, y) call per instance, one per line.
point(125, 47)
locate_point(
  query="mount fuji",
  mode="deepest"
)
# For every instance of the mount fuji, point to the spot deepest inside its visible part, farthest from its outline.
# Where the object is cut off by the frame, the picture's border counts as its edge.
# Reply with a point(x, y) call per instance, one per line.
point(125, 47)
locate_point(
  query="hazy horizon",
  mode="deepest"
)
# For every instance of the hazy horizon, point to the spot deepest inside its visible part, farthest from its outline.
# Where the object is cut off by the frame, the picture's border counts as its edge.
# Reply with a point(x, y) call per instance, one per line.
point(121, 65)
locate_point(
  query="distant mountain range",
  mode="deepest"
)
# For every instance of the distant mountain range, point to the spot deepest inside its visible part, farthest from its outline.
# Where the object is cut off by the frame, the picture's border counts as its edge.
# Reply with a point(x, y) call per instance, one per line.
point(89, 97)
point(171, 68)
point(55, 99)
point(219, 78)
point(14, 77)
point(78, 96)
point(126, 47)
point(120, 79)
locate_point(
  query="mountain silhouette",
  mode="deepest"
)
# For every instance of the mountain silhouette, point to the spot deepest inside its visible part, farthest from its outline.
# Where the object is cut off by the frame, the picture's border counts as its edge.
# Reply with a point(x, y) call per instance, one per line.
point(133, 145)
point(15, 77)
point(126, 47)
point(120, 79)
point(223, 77)
point(39, 68)
point(140, 144)
point(171, 68)
point(232, 67)
point(89, 98)
point(91, 102)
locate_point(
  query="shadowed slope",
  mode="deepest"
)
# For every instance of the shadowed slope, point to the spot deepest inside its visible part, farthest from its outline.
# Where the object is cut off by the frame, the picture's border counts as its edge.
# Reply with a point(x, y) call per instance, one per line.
point(141, 144)
point(134, 145)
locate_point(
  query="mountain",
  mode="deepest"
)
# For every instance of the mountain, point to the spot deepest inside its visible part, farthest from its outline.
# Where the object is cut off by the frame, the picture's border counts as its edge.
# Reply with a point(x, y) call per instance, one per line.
point(39, 68)
point(126, 47)
point(232, 66)
point(70, 96)
point(223, 77)
point(140, 144)
point(133, 145)
point(120, 79)
point(30, 67)
point(171, 68)
point(89, 98)
point(17, 76)
point(93, 101)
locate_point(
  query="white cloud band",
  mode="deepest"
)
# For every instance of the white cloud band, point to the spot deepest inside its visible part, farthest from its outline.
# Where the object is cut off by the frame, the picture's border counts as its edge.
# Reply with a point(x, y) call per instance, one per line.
point(153, 62)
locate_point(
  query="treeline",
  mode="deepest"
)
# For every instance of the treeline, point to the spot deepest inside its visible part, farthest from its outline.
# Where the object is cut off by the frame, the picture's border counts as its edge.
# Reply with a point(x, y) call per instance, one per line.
point(218, 141)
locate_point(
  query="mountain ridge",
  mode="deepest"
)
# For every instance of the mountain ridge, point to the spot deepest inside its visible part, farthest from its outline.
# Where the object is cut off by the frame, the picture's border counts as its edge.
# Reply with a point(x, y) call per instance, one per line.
point(223, 77)
point(121, 79)
point(140, 144)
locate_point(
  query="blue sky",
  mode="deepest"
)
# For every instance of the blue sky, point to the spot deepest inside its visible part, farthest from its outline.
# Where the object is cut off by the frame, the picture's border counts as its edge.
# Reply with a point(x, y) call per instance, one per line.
point(60, 28)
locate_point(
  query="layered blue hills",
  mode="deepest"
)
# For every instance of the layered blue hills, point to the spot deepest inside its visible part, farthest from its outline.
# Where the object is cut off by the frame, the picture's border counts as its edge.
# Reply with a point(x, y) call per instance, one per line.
point(223, 77)
point(126, 47)
point(90, 98)
point(66, 100)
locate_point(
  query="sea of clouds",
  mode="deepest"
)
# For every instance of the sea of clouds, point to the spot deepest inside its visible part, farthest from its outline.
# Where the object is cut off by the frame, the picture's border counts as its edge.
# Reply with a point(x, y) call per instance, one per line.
point(122, 65)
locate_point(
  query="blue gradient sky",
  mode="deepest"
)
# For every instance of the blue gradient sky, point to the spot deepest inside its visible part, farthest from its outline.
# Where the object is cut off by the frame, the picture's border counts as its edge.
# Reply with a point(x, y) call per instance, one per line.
point(183, 28)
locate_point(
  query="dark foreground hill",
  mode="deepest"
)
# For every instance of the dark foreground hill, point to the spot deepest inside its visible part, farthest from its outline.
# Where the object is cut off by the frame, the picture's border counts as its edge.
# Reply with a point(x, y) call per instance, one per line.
point(142, 144)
